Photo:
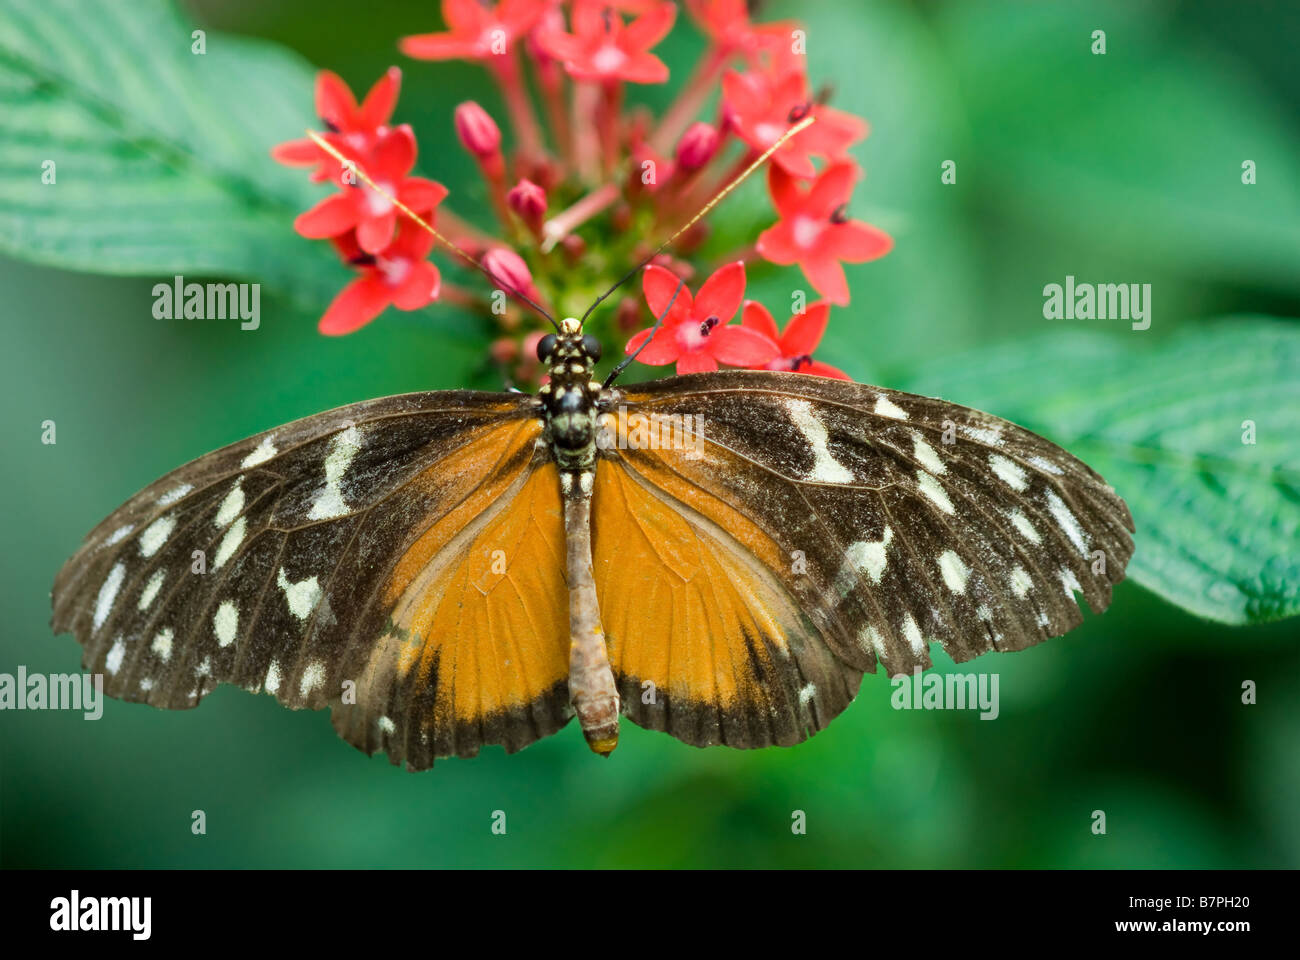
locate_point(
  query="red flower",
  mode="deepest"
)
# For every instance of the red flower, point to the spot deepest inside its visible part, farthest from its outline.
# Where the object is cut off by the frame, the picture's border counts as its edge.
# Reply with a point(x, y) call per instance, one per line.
point(796, 345)
point(400, 276)
point(815, 232)
point(695, 333)
point(602, 48)
point(760, 108)
point(478, 31)
point(354, 129)
point(727, 24)
point(360, 208)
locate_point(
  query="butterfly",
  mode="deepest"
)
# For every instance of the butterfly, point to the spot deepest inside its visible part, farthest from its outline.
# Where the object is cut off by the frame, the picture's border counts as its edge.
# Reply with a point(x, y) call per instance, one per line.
point(720, 556)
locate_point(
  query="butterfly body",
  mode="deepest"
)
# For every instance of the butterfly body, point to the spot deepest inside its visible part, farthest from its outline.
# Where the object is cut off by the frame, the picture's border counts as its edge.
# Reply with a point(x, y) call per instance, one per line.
point(720, 556)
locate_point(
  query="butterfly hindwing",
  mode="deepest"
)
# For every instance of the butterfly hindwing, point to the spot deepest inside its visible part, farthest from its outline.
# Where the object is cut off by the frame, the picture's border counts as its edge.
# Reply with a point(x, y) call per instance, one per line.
point(303, 531)
point(705, 642)
point(898, 519)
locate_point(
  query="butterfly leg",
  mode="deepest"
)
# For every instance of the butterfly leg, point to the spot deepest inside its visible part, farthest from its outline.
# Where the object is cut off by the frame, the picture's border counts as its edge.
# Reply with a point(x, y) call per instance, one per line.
point(591, 681)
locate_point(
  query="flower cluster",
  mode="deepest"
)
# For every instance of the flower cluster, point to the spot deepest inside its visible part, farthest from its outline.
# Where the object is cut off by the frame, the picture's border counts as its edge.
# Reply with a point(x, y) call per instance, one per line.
point(599, 186)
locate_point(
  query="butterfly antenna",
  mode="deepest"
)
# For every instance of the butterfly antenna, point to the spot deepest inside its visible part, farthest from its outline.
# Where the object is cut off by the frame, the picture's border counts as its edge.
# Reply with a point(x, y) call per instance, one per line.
point(425, 225)
point(716, 199)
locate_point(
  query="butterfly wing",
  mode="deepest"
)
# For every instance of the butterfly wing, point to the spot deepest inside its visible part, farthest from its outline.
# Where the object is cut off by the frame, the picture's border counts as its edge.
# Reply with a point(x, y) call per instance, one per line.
point(887, 520)
point(326, 548)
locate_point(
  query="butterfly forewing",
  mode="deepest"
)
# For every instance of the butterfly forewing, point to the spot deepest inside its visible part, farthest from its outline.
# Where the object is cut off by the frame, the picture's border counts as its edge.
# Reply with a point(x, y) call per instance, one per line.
point(276, 564)
point(900, 520)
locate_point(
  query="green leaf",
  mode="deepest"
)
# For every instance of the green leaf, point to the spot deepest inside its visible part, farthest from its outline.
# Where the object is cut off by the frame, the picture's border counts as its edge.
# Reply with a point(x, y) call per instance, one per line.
point(1165, 422)
point(1138, 150)
point(161, 154)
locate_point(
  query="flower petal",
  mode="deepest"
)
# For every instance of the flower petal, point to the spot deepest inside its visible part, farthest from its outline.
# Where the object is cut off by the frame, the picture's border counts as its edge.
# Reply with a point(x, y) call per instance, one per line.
point(696, 361)
point(465, 16)
point(858, 242)
point(651, 27)
point(784, 188)
point(334, 215)
point(297, 153)
point(421, 195)
point(827, 277)
point(754, 316)
point(420, 287)
point(831, 189)
point(659, 284)
point(394, 154)
point(804, 331)
point(377, 108)
point(663, 349)
point(722, 293)
point(334, 101)
point(819, 369)
point(376, 233)
point(437, 46)
point(644, 68)
point(776, 244)
point(359, 302)
point(742, 347)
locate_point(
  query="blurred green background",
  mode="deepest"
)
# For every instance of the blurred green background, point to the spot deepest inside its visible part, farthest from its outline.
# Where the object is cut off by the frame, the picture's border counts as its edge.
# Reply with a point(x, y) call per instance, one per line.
point(1124, 167)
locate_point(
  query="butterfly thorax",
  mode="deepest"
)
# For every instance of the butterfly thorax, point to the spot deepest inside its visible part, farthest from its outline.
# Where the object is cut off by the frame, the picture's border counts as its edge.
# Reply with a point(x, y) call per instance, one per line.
point(569, 398)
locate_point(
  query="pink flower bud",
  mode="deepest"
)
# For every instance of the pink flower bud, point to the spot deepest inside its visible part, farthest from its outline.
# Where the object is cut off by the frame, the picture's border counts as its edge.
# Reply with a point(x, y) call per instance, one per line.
point(509, 270)
point(478, 132)
point(528, 200)
point(697, 146)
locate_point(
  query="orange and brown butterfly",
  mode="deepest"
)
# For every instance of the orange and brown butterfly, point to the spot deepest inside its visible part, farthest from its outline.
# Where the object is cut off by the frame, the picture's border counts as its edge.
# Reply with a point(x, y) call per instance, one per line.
point(720, 556)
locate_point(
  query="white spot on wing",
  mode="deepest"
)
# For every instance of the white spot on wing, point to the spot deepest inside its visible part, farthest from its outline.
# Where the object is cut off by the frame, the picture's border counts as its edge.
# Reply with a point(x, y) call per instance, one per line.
point(887, 409)
point(230, 542)
point(113, 662)
point(1012, 474)
point(156, 534)
point(933, 491)
point(982, 435)
point(119, 535)
point(1024, 527)
point(329, 502)
point(302, 596)
point(225, 622)
point(1070, 582)
point(232, 506)
point(151, 588)
point(913, 634)
point(312, 677)
point(174, 494)
point(825, 468)
point(1065, 519)
point(264, 452)
point(806, 694)
point(926, 454)
point(107, 594)
point(1046, 466)
point(1021, 583)
point(162, 644)
point(865, 556)
point(272, 683)
point(870, 637)
point(954, 571)
point(387, 725)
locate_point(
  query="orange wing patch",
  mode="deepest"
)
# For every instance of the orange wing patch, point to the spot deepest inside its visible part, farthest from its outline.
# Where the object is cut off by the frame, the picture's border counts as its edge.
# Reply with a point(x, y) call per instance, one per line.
point(704, 641)
point(477, 648)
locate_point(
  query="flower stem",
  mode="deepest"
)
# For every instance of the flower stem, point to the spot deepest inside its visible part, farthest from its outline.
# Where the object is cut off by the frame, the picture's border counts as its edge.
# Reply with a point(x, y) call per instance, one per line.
point(687, 105)
point(506, 70)
point(611, 104)
point(586, 143)
point(564, 223)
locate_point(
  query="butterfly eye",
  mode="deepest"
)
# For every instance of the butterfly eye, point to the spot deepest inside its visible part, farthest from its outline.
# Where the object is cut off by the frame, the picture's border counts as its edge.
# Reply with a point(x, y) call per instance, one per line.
point(545, 347)
point(591, 347)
